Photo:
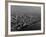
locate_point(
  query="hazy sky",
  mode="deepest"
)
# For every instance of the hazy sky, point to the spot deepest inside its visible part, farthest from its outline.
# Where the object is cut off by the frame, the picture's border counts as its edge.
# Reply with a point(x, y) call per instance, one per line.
point(28, 10)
